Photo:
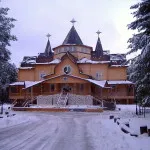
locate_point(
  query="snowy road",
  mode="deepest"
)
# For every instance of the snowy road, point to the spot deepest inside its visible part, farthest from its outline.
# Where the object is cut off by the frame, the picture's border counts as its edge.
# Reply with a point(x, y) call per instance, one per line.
point(47, 131)
point(65, 131)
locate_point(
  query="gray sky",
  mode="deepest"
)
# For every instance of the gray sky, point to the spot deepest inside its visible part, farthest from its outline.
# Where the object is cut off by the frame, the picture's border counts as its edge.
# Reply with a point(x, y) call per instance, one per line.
point(36, 18)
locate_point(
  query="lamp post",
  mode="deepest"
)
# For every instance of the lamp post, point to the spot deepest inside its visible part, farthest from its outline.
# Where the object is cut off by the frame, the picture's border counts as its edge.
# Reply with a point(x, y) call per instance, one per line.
point(2, 101)
point(136, 107)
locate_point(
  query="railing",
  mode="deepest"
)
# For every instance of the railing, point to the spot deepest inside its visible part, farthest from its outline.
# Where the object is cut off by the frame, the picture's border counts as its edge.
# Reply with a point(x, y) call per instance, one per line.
point(99, 100)
point(61, 100)
point(106, 104)
point(14, 102)
point(66, 98)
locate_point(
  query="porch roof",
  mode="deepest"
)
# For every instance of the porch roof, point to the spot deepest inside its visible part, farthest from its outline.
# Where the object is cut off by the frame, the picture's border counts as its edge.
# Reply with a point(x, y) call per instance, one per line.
point(31, 83)
point(100, 83)
point(120, 82)
point(17, 83)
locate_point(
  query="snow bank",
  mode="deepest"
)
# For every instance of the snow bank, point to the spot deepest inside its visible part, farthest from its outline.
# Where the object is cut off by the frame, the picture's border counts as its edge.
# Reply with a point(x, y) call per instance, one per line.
point(14, 118)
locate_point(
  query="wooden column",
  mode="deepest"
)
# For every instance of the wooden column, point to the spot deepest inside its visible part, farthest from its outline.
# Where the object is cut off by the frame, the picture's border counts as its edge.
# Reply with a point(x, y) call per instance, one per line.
point(74, 88)
point(41, 88)
point(56, 88)
point(31, 94)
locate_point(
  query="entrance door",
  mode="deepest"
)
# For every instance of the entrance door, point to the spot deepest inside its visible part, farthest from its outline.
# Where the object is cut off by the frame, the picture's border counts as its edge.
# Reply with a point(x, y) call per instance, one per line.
point(66, 88)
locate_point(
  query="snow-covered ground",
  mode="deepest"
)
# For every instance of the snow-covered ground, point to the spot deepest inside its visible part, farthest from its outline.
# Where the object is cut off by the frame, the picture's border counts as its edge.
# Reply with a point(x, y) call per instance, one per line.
point(72, 130)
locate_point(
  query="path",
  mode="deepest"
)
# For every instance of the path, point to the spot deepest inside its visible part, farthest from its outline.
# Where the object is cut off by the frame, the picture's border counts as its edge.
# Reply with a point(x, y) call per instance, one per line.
point(66, 131)
point(53, 132)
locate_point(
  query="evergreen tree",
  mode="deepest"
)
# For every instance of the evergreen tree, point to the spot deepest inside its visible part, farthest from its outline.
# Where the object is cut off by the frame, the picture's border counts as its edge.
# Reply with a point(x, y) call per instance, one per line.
point(8, 72)
point(140, 70)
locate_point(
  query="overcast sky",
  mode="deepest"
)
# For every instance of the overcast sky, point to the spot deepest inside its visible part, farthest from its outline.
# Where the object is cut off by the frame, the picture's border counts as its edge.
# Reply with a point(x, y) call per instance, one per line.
point(36, 18)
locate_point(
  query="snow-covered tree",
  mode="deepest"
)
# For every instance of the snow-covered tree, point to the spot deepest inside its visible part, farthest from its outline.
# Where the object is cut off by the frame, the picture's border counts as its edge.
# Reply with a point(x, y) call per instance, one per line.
point(7, 70)
point(139, 71)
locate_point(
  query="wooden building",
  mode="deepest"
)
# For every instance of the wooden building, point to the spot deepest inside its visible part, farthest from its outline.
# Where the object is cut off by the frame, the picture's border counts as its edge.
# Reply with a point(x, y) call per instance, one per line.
point(73, 74)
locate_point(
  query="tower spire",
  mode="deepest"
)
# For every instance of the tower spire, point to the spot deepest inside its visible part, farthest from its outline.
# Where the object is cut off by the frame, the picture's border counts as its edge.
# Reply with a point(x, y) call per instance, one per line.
point(73, 37)
point(98, 49)
point(48, 50)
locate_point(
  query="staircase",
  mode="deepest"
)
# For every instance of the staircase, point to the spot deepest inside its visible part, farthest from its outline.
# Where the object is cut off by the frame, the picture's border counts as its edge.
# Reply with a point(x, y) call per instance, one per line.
point(106, 104)
point(62, 100)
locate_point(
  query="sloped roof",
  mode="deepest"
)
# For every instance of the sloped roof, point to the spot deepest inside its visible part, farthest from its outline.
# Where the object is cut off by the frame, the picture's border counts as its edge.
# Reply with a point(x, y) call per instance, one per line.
point(72, 37)
point(100, 83)
point(70, 56)
point(17, 83)
point(120, 82)
point(85, 60)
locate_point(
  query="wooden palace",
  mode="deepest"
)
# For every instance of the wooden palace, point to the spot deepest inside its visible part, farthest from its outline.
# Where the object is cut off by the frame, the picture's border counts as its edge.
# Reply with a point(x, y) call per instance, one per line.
point(72, 74)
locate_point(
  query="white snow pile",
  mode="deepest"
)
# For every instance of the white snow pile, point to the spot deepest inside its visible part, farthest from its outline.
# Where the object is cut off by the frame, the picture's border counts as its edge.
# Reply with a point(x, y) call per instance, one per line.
point(107, 135)
point(11, 118)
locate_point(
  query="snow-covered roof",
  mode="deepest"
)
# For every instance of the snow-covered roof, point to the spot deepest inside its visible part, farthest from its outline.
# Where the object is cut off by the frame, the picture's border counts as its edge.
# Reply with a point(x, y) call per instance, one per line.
point(31, 83)
point(117, 57)
point(26, 67)
point(99, 83)
point(85, 60)
point(120, 82)
point(119, 65)
point(29, 59)
point(106, 52)
point(55, 61)
point(17, 83)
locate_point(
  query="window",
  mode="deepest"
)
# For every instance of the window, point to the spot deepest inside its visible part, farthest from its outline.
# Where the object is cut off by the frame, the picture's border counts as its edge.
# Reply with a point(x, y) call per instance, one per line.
point(29, 90)
point(42, 76)
point(72, 49)
point(84, 50)
point(81, 87)
point(52, 87)
point(98, 76)
point(65, 49)
point(67, 69)
point(14, 90)
point(62, 49)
